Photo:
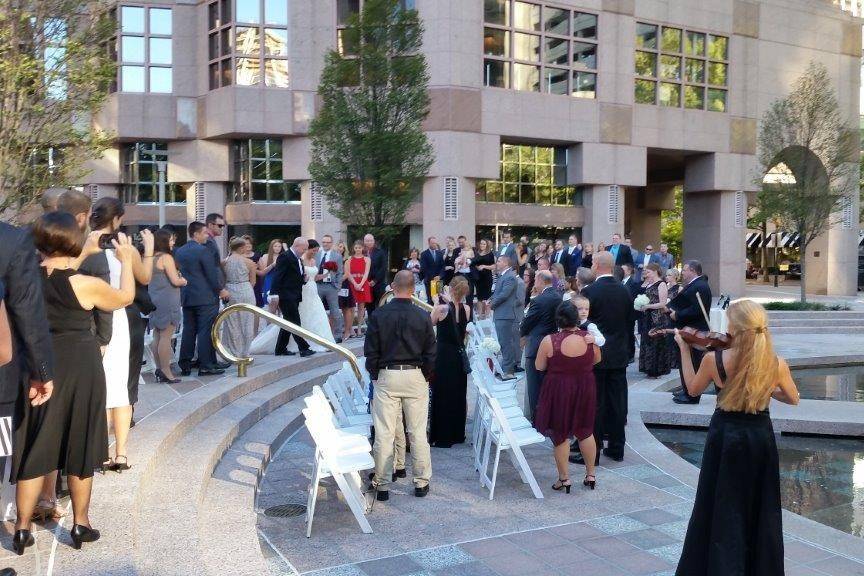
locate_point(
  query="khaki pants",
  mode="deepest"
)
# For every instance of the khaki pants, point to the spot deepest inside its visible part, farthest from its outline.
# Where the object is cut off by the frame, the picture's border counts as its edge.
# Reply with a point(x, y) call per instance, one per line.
point(400, 392)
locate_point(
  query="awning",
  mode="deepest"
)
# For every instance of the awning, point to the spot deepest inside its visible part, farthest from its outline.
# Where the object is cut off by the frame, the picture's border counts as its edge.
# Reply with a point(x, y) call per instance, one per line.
point(785, 240)
point(754, 240)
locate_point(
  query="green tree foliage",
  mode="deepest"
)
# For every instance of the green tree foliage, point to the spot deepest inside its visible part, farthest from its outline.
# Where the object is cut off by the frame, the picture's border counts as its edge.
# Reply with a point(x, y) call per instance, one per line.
point(809, 159)
point(672, 225)
point(55, 70)
point(369, 151)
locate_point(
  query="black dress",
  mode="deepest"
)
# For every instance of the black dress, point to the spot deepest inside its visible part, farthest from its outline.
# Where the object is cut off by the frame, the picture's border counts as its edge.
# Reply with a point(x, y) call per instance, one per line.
point(69, 432)
point(449, 262)
point(737, 524)
point(483, 285)
point(450, 384)
point(654, 358)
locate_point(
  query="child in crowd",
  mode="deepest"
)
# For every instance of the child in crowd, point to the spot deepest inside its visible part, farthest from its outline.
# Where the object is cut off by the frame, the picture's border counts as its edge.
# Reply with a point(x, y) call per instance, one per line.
point(583, 307)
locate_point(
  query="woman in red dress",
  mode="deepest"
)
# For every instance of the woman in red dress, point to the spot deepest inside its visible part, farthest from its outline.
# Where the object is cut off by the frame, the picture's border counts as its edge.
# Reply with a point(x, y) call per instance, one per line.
point(567, 402)
point(358, 267)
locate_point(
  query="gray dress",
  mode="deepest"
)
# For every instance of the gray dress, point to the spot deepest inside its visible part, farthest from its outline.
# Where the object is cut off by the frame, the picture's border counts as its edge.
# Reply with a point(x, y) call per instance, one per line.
point(239, 328)
point(166, 298)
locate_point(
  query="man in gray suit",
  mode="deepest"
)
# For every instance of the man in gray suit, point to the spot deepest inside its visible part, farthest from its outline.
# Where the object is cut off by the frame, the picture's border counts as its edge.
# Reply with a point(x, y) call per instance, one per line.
point(507, 248)
point(504, 302)
point(329, 283)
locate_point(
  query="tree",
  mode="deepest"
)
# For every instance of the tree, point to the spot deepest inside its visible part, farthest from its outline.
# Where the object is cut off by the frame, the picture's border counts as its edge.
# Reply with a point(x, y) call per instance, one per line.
point(808, 160)
point(672, 225)
point(55, 71)
point(370, 155)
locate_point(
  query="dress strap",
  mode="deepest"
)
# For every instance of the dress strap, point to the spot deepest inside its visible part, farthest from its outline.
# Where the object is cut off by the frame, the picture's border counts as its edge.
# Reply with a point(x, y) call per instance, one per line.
point(721, 370)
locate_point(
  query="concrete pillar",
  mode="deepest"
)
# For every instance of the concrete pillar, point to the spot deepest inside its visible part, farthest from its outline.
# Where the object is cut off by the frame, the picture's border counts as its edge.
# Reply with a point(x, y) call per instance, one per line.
point(204, 198)
point(714, 234)
point(642, 216)
point(604, 212)
point(842, 257)
point(316, 219)
point(448, 207)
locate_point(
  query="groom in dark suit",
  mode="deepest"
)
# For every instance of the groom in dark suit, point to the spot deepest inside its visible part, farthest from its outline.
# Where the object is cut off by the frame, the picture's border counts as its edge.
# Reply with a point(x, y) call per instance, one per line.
point(612, 312)
point(687, 312)
point(288, 279)
point(538, 323)
point(431, 265)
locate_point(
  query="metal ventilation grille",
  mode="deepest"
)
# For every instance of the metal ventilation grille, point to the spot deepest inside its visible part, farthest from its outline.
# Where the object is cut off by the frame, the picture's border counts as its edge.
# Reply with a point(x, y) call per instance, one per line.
point(614, 204)
point(847, 213)
point(289, 510)
point(316, 203)
point(740, 209)
point(451, 198)
point(200, 208)
point(92, 190)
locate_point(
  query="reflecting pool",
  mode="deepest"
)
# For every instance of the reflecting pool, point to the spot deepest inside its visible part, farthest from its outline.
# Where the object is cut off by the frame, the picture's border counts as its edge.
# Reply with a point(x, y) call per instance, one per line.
point(845, 383)
point(821, 478)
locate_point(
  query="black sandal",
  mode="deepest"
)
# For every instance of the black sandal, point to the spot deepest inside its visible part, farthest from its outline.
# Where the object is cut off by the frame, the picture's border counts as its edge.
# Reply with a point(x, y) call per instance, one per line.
point(562, 484)
point(117, 466)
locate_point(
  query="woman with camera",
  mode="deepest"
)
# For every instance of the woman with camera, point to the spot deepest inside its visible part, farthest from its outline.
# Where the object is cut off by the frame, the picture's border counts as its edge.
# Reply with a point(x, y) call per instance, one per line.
point(69, 432)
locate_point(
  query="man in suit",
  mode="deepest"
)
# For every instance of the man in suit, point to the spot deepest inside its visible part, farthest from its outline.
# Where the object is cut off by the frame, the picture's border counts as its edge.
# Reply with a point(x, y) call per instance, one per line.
point(634, 288)
point(574, 255)
point(664, 258)
point(612, 312)
point(215, 227)
point(507, 248)
point(200, 300)
point(687, 312)
point(288, 280)
point(431, 265)
point(560, 256)
point(329, 283)
point(504, 303)
point(377, 272)
point(539, 322)
point(642, 259)
point(621, 253)
point(518, 314)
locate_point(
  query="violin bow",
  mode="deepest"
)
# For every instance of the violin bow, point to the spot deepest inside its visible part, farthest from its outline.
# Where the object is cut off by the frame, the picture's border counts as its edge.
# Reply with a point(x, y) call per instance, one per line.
point(704, 313)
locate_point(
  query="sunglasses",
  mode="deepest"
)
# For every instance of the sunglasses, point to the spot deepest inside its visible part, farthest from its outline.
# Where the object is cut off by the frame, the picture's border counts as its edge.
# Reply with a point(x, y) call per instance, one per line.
point(220, 225)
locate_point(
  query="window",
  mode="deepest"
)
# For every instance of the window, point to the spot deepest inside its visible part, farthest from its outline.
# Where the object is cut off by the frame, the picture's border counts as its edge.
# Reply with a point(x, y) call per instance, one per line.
point(676, 67)
point(141, 175)
point(251, 49)
point(145, 50)
point(538, 48)
point(258, 173)
point(530, 175)
point(346, 42)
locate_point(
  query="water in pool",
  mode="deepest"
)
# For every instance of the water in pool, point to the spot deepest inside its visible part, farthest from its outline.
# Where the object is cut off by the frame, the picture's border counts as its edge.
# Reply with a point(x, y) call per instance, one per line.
point(820, 478)
point(844, 384)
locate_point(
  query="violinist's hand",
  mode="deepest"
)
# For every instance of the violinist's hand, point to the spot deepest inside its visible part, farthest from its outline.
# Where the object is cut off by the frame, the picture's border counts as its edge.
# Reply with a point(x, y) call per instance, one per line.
point(680, 340)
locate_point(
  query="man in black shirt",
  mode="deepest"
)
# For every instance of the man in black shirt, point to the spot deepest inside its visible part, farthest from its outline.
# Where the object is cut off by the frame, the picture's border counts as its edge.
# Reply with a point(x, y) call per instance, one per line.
point(400, 357)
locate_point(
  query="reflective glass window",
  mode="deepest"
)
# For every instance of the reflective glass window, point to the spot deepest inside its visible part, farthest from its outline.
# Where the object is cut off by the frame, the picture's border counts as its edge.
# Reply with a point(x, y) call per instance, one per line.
point(249, 11)
point(160, 50)
point(496, 42)
point(646, 36)
point(669, 94)
point(496, 73)
point(495, 12)
point(526, 77)
point(275, 42)
point(526, 47)
point(526, 16)
point(160, 80)
point(132, 48)
point(555, 51)
point(132, 20)
point(276, 12)
point(248, 71)
point(556, 21)
point(646, 92)
point(132, 78)
point(555, 80)
point(160, 21)
point(585, 25)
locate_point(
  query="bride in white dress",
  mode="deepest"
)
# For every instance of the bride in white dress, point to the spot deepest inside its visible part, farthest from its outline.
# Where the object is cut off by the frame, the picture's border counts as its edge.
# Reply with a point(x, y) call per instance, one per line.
point(313, 317)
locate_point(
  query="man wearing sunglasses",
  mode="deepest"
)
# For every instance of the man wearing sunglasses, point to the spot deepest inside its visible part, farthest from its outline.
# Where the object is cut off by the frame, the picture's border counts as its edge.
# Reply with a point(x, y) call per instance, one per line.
point(215, 224)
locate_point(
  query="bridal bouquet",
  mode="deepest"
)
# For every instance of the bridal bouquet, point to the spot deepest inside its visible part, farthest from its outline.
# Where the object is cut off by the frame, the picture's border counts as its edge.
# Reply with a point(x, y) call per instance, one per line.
point(641, 302)
point(490, 345)
point(331, 266)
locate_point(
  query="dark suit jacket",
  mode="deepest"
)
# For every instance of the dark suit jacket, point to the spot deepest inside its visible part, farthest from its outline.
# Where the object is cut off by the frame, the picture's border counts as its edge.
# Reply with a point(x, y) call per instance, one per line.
point(612, 312)
point(539, 322)
point(378, 269)
point(195, 262)
point(216, 257)
point(625, 256)
point(687, 310)
point(431, 264)
point(32, 352)
point(287, 277)
point(573, 262)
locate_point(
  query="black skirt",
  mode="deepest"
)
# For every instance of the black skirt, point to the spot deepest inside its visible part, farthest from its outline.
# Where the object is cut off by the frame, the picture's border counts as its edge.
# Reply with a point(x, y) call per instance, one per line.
point(736, 526)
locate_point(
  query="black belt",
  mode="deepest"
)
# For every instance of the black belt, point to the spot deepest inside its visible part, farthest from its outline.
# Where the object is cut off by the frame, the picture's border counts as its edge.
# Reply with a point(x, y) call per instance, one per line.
point(401, 367)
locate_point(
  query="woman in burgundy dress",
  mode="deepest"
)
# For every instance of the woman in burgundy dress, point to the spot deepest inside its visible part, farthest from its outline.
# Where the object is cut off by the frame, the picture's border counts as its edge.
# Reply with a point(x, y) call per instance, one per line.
point(567, 400)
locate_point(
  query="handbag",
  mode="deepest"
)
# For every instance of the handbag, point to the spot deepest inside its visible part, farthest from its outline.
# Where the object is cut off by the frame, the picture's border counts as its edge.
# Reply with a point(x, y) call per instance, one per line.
point(463, 354)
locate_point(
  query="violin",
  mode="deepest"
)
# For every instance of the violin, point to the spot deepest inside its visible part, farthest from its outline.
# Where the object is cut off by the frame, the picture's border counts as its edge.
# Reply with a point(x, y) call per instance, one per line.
point(699, 339)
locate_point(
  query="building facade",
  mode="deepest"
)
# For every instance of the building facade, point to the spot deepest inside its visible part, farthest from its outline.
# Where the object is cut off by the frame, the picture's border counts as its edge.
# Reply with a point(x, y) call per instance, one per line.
point(547, 115)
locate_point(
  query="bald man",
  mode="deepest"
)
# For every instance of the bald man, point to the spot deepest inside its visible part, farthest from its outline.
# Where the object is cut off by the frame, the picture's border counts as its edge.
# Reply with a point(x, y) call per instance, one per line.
point(288, 279)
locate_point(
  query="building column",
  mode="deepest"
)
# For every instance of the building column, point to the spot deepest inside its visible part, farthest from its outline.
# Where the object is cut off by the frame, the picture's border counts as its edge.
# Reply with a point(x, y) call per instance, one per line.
point(604, 212)
point(642, 216)
point(714, 234)
point(205, 198)
point(449, 208)
point(842, 253)
point(316, 219)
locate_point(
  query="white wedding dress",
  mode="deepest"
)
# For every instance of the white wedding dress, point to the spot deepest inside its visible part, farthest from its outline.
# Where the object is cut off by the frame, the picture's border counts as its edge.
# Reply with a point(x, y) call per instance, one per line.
point(313, 318)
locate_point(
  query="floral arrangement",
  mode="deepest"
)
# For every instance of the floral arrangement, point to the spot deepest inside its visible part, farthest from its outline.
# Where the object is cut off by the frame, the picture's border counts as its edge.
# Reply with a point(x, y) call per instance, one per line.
point(641, 302)
point(331, 266)
point(490, 345)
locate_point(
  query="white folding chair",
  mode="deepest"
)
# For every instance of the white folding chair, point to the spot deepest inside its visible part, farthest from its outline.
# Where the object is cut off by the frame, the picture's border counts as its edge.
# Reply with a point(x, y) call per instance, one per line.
point(344, 406)
point(331, 459)
point(500, 433)
point(318, 402)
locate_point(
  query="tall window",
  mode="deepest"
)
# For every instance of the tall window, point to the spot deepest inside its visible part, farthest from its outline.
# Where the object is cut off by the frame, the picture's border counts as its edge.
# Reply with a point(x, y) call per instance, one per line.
point(145, 50)
point(250, 46)
point(258, 173)
point(530, 175)
point(676, 67)
point(345, 44)
point(141, 176)
point(539, 48)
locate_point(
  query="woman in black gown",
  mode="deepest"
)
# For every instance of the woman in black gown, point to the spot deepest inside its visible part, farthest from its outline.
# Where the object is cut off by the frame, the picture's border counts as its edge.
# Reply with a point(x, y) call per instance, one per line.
point(69, 432)
point(736, 526)
point(483, 264)
point(450, 386)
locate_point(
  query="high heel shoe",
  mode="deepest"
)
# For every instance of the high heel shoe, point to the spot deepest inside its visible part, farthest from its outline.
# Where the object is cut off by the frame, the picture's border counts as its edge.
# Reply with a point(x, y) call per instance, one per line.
point(161, 378)
point(562, 485)
point(590, 483)
point(22, 540)
point(80, 534)
point(119, 467)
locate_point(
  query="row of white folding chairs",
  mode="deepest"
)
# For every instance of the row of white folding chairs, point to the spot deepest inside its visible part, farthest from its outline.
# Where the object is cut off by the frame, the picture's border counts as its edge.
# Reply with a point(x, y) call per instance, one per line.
point(340, 453)
point(351, 408)
point(504, 426)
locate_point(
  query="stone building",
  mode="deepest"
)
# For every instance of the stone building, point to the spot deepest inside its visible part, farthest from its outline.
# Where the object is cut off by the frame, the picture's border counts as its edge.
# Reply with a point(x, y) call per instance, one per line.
point(547, 115)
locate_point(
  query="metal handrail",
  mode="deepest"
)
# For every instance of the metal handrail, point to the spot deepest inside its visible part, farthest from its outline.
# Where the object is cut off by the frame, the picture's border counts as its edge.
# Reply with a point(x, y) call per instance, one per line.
point(388, 295)
point(242, 363)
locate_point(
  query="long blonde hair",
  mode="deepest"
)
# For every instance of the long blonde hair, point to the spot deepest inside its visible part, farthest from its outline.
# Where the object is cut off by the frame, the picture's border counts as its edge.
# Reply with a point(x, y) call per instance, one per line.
point(749, 388)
